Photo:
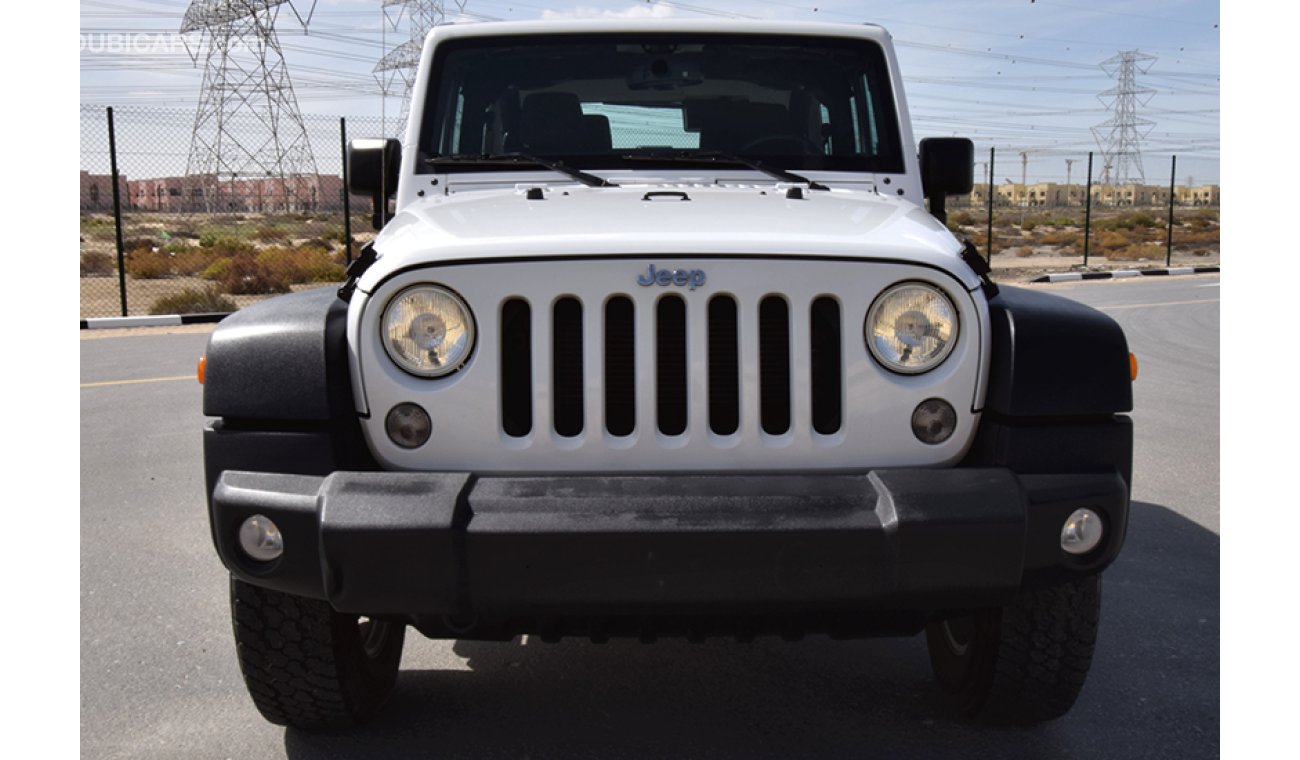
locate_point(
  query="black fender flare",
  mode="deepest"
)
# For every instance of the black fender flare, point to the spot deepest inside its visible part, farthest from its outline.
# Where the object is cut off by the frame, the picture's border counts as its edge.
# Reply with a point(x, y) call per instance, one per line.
point(1053, 357)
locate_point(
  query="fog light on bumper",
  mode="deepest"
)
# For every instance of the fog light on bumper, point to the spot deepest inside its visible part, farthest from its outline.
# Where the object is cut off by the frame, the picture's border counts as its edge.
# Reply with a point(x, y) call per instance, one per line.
point(1081, 532)
point(408, 426)
point(260, 538)
point(933, 421)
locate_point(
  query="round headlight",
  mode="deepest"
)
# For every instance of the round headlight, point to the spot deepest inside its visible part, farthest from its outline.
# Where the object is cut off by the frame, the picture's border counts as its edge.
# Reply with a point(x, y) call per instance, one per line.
point(428, 331)
point(911, 328)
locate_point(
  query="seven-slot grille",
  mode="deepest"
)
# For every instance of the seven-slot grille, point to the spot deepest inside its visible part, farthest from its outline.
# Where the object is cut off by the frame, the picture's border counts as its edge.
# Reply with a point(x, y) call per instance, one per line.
point(665, 386)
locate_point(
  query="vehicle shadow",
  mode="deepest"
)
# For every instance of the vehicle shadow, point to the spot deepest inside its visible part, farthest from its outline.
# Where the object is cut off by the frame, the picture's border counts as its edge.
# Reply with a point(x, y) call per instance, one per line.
point(1152, 693)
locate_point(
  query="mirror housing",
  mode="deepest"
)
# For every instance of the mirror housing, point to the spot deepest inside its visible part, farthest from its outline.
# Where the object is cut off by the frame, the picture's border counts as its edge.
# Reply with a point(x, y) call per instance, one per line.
point(373, 167)
point(947, 168)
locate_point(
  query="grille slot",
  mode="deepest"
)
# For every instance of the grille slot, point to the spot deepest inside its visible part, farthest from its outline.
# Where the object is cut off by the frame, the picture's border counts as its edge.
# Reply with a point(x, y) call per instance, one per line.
point(620, 366)
point(566, 366)
point(516, 368)
point(724, 366)
point(774, 364)
point(825, 365)
point(670, 369)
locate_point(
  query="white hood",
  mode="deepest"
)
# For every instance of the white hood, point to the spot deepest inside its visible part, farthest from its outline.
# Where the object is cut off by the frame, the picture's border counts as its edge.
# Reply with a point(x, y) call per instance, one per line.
point(677, 219)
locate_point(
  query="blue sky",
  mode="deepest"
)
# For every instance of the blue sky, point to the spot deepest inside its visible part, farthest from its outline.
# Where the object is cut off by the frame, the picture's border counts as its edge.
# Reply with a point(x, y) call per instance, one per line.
point(1017, 75)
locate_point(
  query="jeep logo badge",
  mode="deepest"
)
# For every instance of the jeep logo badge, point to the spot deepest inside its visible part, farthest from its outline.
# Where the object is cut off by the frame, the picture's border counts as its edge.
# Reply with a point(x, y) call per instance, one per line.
point(691, 278)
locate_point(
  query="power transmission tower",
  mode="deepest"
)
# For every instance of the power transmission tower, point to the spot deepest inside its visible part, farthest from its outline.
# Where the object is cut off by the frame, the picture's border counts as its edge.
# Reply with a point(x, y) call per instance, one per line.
point(1120, 136)
point(248, 124)
point(403, 60)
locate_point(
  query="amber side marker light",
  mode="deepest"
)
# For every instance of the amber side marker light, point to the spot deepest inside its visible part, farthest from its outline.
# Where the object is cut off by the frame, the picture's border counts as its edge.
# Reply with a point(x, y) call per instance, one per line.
point(1132, 366)
point(203, 368)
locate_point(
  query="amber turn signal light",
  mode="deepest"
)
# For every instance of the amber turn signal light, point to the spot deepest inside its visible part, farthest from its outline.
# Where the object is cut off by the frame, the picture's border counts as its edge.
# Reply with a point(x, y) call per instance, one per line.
point(1132, 366)
point(203, 367)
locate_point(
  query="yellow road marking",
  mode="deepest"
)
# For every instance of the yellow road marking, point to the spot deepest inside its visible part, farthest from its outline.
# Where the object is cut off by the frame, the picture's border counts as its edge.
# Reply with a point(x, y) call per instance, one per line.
point(1153, 305)
point(135, 382)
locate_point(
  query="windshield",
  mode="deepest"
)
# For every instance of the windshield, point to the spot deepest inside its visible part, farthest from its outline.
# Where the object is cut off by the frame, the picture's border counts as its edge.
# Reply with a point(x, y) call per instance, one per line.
point(612, 101)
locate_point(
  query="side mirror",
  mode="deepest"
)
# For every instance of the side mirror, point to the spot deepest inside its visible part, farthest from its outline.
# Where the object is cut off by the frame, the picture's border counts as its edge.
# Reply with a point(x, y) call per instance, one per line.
point(947, 168)
point(373, 167)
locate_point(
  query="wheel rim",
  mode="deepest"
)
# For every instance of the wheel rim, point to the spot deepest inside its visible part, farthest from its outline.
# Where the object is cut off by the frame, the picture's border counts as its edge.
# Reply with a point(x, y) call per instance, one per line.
point(374, 636)
point(958, 634)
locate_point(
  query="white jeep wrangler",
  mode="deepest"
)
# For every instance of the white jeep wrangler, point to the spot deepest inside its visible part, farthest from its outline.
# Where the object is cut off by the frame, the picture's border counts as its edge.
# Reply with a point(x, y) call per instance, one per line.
point(663, 335)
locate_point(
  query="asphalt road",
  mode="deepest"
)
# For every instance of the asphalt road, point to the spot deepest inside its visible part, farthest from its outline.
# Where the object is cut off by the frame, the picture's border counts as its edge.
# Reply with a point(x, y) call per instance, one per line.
point(159, 677)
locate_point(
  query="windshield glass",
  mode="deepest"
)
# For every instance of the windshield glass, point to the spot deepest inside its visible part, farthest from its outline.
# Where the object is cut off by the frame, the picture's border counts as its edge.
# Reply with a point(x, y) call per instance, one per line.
point(611, 101)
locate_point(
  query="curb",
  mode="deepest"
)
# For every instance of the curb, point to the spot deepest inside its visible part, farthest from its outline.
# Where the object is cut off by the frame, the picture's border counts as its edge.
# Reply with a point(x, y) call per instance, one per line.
point(1076, 276)
point(156, 320)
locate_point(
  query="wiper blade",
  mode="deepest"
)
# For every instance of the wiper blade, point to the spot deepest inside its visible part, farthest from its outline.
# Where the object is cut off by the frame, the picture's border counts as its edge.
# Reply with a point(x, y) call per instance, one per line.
point(487, 159)
point(718, 156)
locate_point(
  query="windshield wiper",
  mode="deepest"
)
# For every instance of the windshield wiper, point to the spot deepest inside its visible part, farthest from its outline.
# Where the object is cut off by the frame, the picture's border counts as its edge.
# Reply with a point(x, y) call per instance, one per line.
point(717, 156)
point(487, 159)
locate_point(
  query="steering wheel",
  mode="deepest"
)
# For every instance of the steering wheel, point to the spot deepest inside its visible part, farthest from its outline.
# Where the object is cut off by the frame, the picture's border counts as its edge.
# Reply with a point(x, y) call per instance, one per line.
point(798, 144)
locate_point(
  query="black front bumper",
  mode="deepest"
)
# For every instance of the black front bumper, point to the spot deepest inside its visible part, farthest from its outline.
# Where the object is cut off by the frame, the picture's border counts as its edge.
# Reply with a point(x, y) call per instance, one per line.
point(458, 545)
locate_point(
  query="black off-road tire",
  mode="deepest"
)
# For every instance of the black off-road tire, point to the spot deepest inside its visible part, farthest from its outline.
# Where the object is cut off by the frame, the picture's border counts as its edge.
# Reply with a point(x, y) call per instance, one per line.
point(306, 665)
point(1023, 663)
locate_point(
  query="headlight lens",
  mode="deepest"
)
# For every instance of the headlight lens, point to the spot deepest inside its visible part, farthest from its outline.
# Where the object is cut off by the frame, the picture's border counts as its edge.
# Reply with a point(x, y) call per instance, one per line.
point(428, 331)
point(911, 328)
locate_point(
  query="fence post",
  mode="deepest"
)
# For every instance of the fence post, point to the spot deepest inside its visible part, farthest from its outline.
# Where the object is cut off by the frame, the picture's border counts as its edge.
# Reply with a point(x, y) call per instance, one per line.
point(989, 243)
point(1087, 212)
point(1169, 235)
point(347, 202)
point(117, 212)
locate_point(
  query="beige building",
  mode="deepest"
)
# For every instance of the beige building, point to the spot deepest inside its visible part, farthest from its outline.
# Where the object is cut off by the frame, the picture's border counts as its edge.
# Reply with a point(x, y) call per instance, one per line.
point(1051, 194)
point(203, 193)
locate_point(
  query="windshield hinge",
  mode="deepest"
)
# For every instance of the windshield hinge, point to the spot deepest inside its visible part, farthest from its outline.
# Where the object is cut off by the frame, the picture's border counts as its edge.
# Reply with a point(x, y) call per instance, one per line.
point(976, 262)
point(357, 268)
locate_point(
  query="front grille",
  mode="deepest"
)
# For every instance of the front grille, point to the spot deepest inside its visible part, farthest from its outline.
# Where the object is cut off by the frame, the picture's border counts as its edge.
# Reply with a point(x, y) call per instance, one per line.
point(668, 387)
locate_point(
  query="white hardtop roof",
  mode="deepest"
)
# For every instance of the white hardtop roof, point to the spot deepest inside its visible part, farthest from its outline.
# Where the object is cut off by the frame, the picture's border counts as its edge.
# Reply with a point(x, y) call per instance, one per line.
point(650, 26)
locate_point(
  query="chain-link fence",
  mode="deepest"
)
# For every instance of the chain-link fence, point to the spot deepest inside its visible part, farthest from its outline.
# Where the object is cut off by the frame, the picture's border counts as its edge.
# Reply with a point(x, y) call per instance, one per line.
point(184, 233)
point(191, 230)
point(1063, 213)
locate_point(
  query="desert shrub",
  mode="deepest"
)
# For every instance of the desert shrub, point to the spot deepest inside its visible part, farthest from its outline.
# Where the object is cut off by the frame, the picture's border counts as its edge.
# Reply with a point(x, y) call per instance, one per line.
point(244, 275)
point(337, 235)
point(216, 270)
point(960, 218)
point(185, 230)
point(1062, 238)
point(1201, 219)
point(1028, 224)
point(218, 233)
point(131, 245)
point(100, 228)
point(194, 301)
point(1105, 241)
point(145, 264)
point(1208, 239)
point(230, 247)
point(301, 264)
point(271, 234)
point(191, 261)
point(1023, 251)
point(317, 244)
point(96, 263)
point(1129, 221)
